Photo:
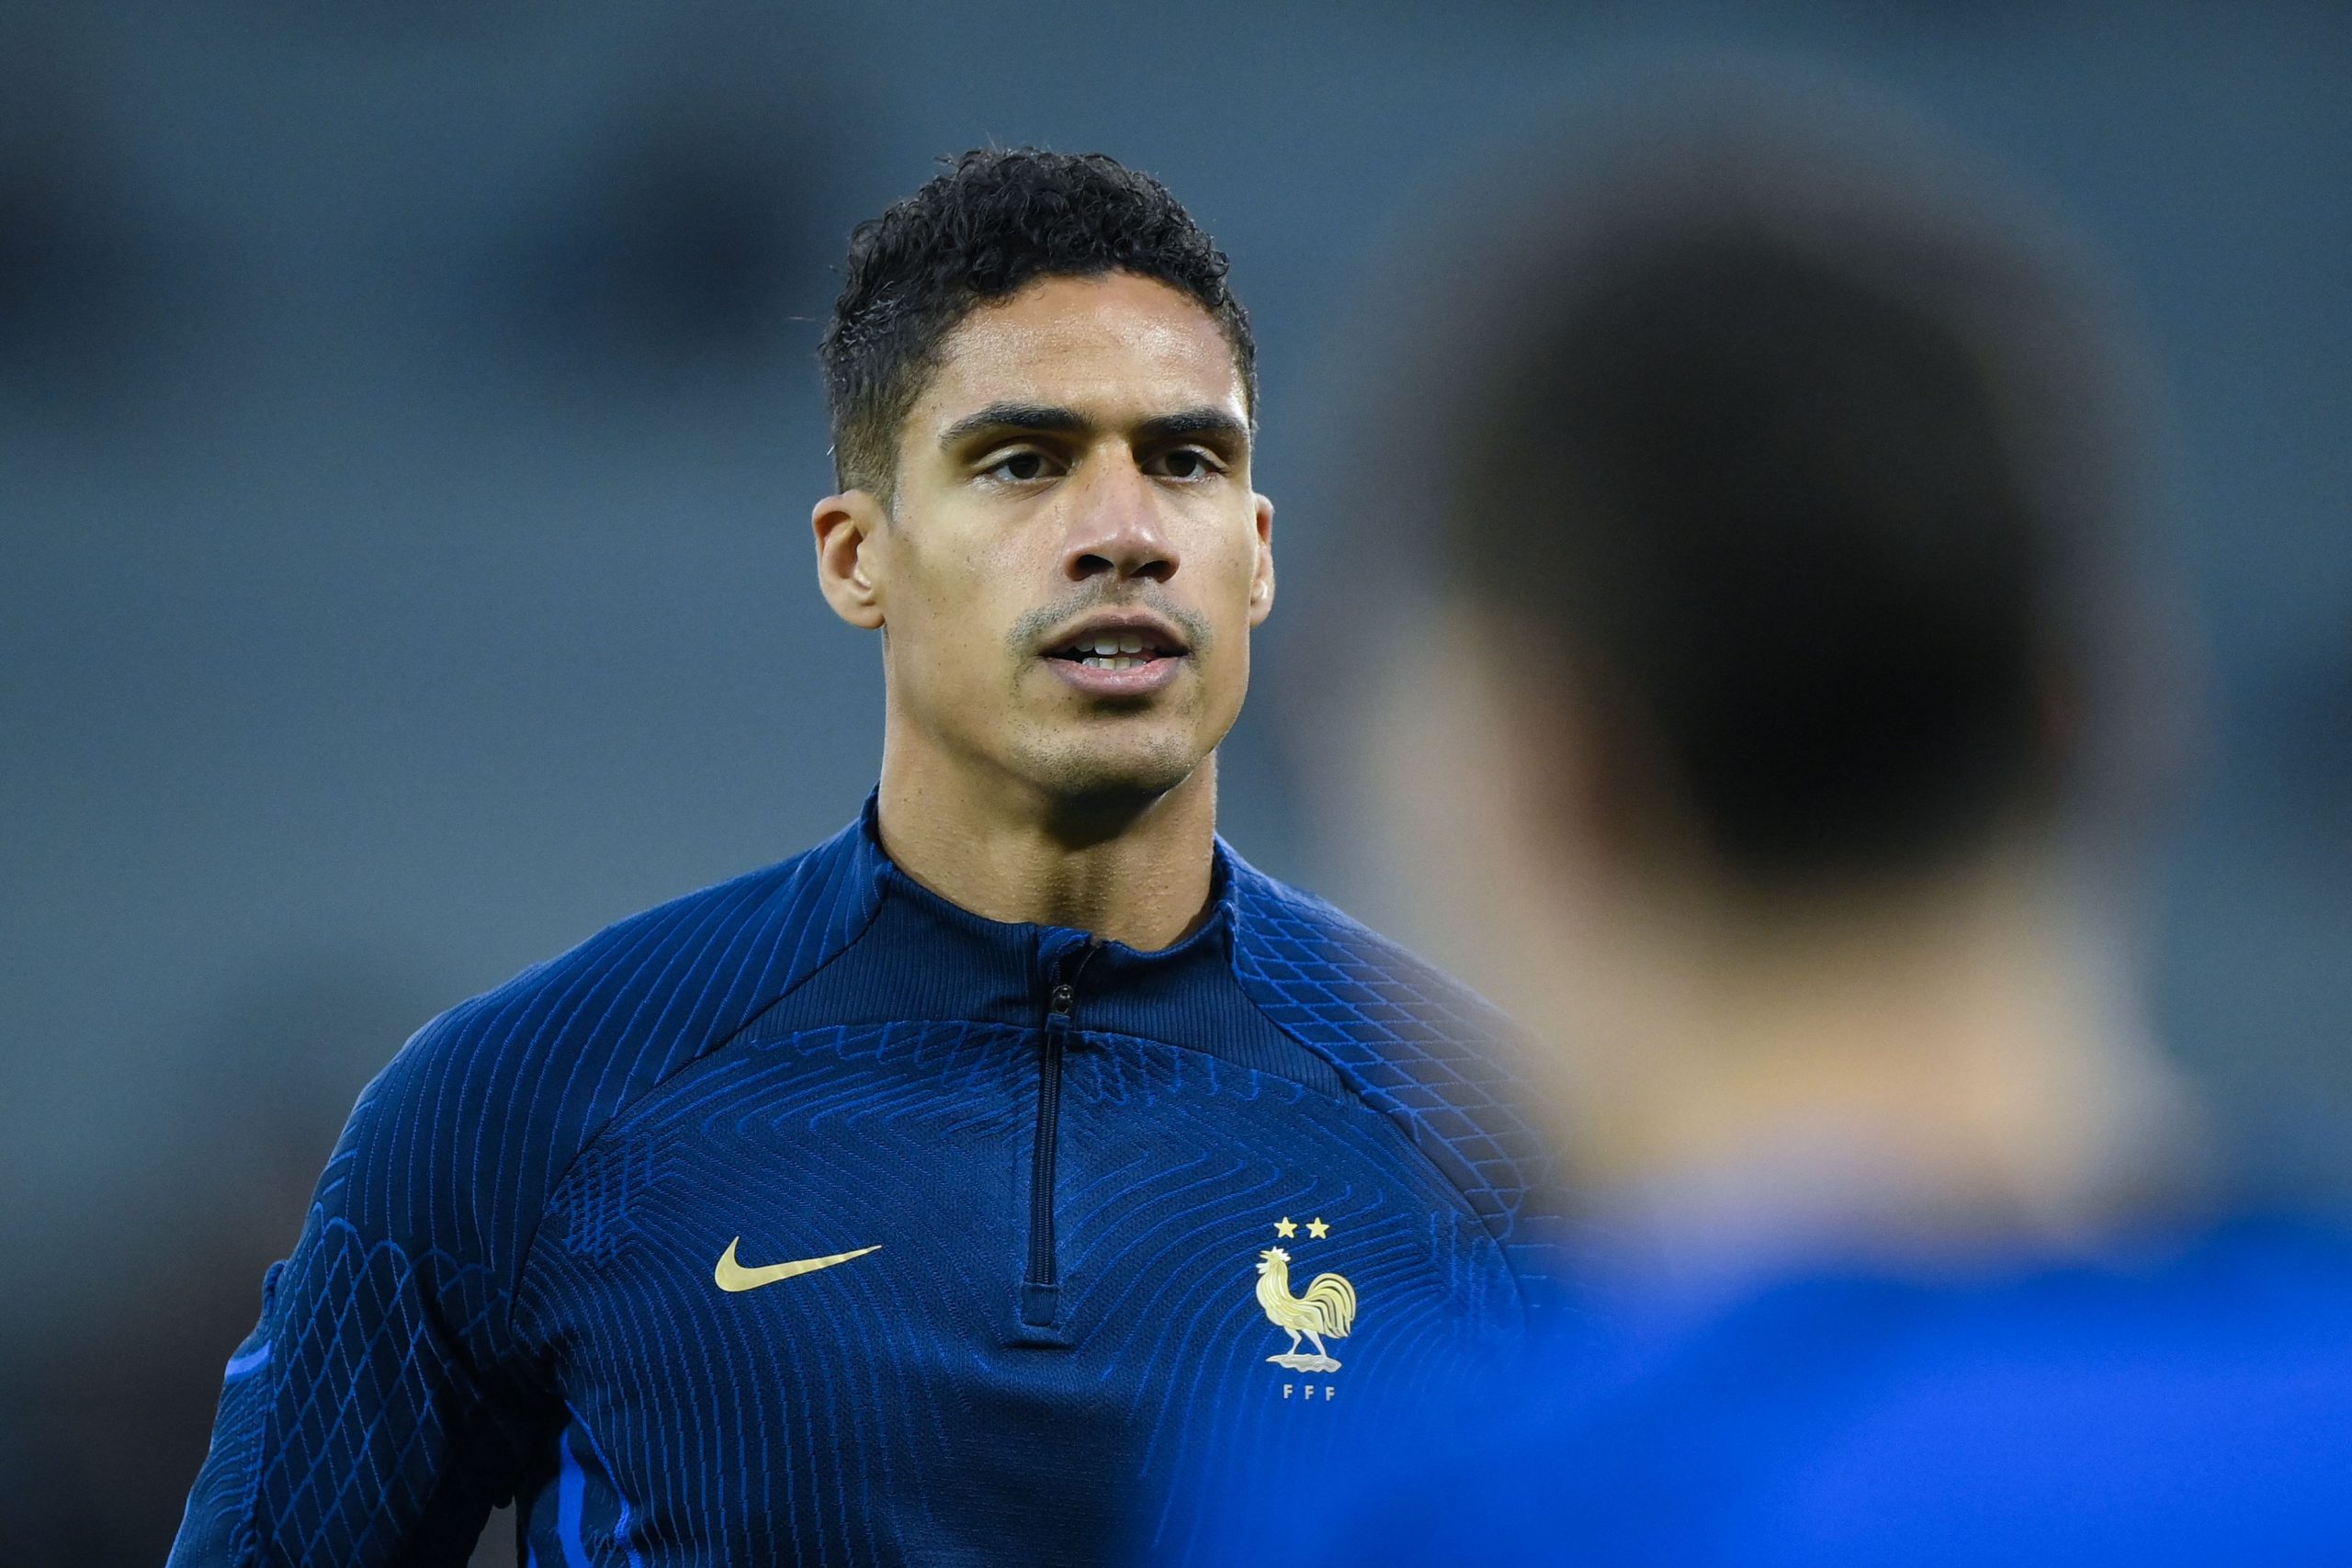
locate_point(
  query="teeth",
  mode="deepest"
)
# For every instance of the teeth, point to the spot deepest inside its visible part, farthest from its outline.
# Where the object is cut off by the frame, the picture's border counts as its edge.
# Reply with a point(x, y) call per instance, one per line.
point(1116, 650)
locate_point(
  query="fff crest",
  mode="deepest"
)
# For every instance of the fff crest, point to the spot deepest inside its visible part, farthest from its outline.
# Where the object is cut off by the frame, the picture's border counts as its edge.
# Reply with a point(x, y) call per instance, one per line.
point(1325, 1310)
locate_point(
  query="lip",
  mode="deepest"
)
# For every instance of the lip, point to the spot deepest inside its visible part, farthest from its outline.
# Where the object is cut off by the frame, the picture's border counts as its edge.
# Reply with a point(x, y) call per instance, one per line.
point(1154, 675)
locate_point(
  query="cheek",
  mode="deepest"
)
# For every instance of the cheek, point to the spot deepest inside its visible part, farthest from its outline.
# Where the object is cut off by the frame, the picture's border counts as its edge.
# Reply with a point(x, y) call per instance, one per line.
point(1215, 545)
point(1232, 568)
point(955, 611)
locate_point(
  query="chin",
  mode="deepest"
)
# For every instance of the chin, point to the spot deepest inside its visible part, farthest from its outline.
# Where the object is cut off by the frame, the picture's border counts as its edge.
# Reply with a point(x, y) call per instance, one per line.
point(1130, 772)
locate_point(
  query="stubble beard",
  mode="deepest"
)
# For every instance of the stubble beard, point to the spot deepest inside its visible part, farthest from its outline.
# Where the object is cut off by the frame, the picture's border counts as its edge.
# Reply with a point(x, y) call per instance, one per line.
point(1089, 772)
point(1092, 765)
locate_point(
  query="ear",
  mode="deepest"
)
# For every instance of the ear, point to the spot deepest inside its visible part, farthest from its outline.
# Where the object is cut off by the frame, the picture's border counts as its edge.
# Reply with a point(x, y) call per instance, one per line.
point(1261, 577)
point(850, 536)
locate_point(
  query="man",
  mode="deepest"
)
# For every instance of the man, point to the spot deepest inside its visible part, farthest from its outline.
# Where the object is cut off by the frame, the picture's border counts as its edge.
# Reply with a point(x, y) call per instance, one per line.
point(1786, 567)
point(931, 1196)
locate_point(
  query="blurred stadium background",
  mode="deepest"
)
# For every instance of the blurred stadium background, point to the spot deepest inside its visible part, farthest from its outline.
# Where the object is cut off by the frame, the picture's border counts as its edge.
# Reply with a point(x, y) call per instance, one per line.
point(407, 427)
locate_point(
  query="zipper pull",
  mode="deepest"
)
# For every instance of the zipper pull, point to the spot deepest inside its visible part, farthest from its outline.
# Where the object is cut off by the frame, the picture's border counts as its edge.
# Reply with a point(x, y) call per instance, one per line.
point(1062, 1000)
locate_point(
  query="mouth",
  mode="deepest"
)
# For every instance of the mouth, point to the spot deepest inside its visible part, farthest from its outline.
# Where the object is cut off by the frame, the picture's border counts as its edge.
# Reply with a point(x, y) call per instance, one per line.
point(1119, 653)
point(1119, 642)
point(1127, 651)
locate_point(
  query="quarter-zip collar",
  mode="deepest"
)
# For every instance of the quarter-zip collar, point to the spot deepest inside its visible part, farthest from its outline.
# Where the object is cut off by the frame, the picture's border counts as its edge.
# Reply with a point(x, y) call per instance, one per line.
point(992, 970)
point(1057, 984)
point(893, 951)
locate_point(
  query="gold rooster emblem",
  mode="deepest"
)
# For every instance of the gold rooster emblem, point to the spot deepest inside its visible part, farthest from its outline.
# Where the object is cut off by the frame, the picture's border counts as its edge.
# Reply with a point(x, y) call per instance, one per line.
point(1326, 1310)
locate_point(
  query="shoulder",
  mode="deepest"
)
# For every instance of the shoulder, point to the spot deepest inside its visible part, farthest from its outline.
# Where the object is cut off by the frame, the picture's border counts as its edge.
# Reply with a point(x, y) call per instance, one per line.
point(467, 1128)
point(1328, 973)
point(1409, 1039)
point(648, 992)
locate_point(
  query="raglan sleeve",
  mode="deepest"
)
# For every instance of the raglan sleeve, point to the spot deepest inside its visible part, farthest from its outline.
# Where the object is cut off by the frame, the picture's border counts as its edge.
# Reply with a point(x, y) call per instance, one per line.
point(366, 1419)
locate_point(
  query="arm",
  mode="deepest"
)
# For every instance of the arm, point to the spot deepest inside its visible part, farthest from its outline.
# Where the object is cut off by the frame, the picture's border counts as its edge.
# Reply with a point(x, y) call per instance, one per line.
point(358, 1423)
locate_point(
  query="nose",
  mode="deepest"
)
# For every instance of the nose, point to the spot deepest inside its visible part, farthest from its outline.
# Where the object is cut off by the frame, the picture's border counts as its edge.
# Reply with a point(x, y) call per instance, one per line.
point(1116, 528)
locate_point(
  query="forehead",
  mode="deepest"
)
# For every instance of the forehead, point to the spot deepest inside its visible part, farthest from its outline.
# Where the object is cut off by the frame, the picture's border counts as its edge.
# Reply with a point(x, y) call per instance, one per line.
point(1112, 346)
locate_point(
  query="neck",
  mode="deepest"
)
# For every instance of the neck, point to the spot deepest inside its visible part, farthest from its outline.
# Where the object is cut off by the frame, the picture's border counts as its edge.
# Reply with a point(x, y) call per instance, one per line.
point(1939, 1074)
point(1129, 869)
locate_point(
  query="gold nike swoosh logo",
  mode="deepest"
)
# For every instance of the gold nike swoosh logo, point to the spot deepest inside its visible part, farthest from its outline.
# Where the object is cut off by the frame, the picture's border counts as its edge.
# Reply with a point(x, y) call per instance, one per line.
point(732, 1275)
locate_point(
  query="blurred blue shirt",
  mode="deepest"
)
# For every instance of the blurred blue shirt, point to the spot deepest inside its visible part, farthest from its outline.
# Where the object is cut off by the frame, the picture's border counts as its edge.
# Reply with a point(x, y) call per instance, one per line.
point(2189, 1404)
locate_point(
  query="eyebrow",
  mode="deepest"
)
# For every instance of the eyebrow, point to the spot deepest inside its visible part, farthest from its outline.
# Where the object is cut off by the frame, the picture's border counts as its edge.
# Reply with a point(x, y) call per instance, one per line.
point(1049, 418)
point(1043, 418)
point(1213, 423)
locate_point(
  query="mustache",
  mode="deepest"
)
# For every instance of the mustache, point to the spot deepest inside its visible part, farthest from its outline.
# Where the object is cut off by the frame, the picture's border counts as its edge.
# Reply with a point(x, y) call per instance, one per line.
point(1032, 628)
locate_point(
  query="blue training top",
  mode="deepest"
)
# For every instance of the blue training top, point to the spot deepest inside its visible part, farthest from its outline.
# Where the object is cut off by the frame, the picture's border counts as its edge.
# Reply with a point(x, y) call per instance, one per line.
point(812, 1218)
point(2194, 1407)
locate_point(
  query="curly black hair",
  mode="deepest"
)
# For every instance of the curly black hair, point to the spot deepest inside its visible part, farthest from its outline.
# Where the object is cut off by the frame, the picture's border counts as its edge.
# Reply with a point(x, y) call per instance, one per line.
point(995, 221)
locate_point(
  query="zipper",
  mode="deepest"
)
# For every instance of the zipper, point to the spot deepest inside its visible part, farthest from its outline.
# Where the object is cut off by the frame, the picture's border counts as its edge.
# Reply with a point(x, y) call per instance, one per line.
point(1041, 1281)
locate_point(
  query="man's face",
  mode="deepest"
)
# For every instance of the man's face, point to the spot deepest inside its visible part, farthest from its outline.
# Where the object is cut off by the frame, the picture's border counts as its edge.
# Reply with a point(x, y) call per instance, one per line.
point(1074, 558)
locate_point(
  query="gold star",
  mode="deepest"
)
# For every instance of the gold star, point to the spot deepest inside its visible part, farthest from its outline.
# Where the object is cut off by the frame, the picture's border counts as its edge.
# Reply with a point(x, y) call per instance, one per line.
point(1283, 1228)
point(1317, 1228)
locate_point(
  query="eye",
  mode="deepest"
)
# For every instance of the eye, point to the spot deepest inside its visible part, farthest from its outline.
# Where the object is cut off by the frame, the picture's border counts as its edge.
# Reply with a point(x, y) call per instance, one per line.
point(1020, 467)
point(1189, 463)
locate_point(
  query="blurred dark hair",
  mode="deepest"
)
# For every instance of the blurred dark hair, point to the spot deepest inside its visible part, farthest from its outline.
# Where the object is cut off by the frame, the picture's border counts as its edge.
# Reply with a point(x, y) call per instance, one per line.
point(994, 221)
point(1779, 466)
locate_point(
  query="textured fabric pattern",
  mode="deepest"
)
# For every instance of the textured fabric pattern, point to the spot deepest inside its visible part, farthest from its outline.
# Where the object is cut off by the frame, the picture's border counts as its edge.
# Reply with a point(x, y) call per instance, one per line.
point(1414, 1044)
point(508, 1287)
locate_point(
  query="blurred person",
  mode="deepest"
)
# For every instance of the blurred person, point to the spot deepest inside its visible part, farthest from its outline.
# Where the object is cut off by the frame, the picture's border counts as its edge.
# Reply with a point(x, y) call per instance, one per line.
point(1781, 716)
point(923, 1197)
